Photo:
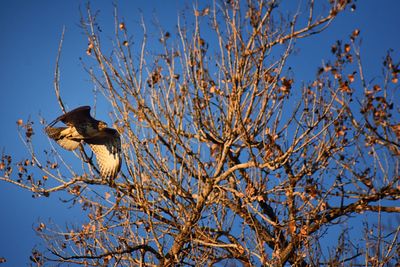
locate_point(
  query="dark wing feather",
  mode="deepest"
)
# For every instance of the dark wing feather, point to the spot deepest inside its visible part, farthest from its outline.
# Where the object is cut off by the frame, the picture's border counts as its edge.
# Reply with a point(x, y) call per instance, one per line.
point(66, 137)
point(107, 149)
point(80, 115)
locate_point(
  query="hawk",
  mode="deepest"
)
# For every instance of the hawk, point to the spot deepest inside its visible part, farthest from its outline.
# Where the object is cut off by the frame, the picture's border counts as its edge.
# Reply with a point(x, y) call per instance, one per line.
point(81, 127)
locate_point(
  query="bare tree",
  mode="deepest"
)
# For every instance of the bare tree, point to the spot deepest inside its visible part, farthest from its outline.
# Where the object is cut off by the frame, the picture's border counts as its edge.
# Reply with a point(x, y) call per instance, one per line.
point(228, 159)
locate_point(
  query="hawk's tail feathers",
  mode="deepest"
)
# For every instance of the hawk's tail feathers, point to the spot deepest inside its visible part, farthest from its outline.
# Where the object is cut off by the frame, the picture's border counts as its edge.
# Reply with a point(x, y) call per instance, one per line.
point(54, 133)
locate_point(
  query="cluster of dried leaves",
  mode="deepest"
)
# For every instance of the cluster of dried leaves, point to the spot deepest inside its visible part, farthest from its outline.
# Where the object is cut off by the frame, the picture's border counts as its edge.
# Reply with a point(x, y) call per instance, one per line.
point(227, 157)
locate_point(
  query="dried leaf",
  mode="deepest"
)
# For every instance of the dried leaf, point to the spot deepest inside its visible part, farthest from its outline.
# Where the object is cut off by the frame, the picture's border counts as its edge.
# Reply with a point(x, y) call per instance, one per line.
point(107, 258)
point(396, 129)
point(53, 165)
point(345, 88)
point(350, 77)
point(75, 190)
point(41, 227)
point(355, 33)
point(377, 88)
point(29, 130)
point(286, 85)
point(347, 48)
point(203, 12)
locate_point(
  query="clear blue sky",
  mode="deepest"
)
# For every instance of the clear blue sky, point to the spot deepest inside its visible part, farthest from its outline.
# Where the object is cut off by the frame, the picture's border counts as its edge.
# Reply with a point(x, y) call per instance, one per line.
point(30, 33)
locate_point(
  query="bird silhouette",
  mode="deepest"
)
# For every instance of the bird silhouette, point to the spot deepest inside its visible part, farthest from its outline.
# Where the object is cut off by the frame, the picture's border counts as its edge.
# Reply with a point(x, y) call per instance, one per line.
point(82, 127)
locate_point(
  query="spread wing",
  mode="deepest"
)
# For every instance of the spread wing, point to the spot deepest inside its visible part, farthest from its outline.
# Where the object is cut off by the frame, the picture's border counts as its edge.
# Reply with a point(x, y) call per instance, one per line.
point(107, 149)
point(105, 142)
point(77, 116)
point(67, 137)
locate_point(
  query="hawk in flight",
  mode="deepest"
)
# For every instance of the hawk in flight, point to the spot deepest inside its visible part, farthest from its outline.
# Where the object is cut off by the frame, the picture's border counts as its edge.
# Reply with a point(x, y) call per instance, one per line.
point(81, 127)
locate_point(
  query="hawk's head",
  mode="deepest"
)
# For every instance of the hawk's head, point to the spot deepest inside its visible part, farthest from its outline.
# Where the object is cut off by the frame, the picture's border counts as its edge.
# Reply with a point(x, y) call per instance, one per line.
point(101, 125)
